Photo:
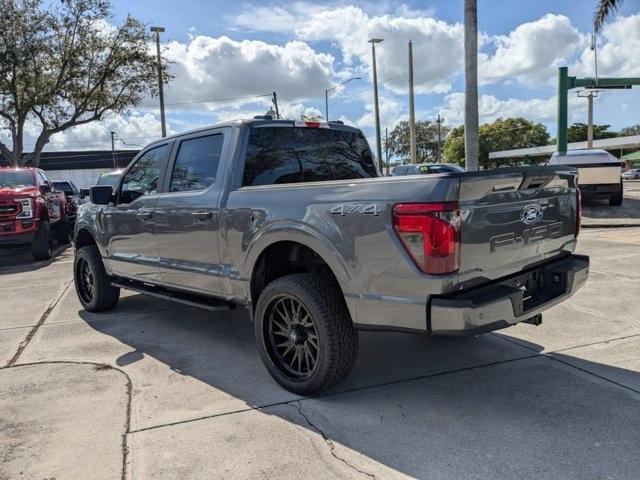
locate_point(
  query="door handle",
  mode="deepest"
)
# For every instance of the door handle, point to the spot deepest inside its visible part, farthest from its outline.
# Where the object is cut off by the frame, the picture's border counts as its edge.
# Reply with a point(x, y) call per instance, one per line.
point(202, 215)
point(145, 215)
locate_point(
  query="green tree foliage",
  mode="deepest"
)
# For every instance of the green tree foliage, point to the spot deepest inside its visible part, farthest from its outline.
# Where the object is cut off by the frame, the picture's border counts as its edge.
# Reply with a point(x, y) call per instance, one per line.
point(503, 134)
point(426, 141)
point(578, 132)
point(63, 64)
point(628, 131)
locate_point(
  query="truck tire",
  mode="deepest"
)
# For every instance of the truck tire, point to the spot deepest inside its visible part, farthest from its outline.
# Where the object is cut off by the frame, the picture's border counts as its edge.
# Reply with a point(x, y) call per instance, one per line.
point(93, 285)
point(615, 200)
point(304, 333)
point(62, 232)
point(42, 246)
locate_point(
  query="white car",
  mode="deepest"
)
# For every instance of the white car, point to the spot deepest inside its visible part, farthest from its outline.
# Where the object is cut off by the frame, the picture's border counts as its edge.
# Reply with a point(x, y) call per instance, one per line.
point(633, 174)
point(599, 173)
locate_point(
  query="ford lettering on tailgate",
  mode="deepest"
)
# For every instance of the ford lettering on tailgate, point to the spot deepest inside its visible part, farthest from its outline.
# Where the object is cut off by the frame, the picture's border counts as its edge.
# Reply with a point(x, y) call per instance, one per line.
point(529, 236)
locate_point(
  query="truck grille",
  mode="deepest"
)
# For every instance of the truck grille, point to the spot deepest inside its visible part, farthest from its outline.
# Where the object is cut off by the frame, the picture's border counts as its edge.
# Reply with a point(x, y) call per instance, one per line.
point(8, 209)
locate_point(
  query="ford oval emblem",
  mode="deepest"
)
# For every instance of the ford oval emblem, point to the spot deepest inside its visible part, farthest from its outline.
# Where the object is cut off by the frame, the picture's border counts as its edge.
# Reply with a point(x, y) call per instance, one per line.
point(531, 214)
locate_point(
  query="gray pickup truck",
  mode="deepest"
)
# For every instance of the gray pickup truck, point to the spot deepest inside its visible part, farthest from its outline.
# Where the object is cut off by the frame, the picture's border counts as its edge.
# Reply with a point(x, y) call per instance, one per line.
point(291, 220)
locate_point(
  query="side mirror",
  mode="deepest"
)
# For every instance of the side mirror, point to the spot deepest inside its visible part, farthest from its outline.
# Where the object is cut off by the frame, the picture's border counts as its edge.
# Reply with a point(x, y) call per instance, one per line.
point(101, 194)
point(84, 192)
point(44, 189)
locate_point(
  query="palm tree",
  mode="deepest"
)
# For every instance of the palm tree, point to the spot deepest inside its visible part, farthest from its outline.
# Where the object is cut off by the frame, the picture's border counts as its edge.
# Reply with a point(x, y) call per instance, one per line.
point(471, 146)
point(604, 10)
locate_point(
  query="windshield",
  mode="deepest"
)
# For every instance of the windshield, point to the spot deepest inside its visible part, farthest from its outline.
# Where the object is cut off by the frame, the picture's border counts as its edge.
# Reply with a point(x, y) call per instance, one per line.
point(16, 178)
point(109, 179)
point(63, 186)
point(291, 155)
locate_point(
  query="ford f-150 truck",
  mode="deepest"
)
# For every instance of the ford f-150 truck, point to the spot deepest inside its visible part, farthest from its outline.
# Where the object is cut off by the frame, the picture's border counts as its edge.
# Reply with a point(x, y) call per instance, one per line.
point(292, 220)
point(32, 212)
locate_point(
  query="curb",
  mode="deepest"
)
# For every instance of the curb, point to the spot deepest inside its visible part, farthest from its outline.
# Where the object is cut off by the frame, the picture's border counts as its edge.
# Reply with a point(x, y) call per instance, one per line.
point(610, 225)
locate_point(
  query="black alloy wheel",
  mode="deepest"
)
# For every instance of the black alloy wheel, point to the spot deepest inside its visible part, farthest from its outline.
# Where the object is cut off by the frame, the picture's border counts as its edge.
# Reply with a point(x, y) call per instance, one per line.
point(292, 337)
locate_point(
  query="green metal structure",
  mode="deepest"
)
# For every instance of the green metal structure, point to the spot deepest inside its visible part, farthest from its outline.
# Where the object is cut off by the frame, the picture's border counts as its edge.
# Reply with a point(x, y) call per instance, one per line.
point(566, 83)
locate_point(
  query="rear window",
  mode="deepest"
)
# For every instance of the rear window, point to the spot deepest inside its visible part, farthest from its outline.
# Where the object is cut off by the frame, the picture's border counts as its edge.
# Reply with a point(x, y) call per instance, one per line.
point(299, 154)
point(16, 178)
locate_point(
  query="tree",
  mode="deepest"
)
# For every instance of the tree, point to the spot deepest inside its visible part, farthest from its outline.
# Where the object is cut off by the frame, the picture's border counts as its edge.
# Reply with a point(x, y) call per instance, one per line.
point(578, 132)
point(604, 9)
point(628, 131)
point(426, 141)
point(471, 84)
point(66, 65)
point(503, 134)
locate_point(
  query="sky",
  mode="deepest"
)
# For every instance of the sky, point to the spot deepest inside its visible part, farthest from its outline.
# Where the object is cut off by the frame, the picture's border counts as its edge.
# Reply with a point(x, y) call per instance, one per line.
point(227, 57)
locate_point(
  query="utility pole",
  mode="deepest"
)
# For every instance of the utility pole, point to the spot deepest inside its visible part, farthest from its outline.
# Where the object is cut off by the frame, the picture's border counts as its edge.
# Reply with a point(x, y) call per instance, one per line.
point(373, 42)
point(158, 31)
point(113, 149)
point(590, 95)
point(471, 144)
point(412, 110)
point(439, 152)
point(275, 104)
point(386, 147)
point(327, 92)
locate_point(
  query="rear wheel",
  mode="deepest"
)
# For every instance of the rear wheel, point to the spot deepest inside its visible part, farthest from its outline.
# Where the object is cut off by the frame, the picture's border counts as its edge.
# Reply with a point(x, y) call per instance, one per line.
point(93, 285)
point(304, 333)
point(42, 247)
point(615, 200)
point(62, 232)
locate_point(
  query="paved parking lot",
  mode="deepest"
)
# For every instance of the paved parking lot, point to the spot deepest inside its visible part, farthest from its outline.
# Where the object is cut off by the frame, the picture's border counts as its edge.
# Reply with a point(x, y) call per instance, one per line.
point(157, 390)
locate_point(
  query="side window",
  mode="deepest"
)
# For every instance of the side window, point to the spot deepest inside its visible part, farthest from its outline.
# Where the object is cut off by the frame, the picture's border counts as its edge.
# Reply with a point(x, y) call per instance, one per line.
point(42, 179)
point(142, 178)
point(196, 164)
point(267, 162)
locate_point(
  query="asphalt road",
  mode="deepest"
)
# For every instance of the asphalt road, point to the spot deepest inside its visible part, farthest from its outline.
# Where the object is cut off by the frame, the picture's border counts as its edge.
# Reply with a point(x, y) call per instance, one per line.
point(157, 390)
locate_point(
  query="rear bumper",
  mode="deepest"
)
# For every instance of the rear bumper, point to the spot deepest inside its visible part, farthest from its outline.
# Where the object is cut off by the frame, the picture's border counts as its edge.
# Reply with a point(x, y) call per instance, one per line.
point(601, 190)
point(507, 302)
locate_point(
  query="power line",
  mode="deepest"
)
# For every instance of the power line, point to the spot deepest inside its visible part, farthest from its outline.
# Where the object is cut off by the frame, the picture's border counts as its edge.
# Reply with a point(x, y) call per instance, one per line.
point(368, 87)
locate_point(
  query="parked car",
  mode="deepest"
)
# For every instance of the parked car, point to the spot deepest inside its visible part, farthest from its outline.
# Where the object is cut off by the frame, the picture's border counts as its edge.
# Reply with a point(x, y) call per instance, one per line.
point(426, 168)
point(71, 191)
point(106, 178)
point(633, 174)
point(291, 220)
point(599, 173)
point(32, 212)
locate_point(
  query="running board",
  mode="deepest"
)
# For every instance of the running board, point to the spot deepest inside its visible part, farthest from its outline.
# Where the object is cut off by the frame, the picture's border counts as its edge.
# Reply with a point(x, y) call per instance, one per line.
point(207, 303)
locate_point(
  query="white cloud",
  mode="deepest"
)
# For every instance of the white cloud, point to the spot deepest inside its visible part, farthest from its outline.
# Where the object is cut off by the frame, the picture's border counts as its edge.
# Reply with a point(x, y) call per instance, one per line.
point(618, 51)
point(490, 108)
point(531, 52)
point(208, 68)
point(438, 48)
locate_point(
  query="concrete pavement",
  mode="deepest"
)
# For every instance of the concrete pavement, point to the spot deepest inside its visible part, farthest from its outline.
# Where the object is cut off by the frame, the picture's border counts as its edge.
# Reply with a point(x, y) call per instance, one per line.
point(556, 401)
point(599, 214)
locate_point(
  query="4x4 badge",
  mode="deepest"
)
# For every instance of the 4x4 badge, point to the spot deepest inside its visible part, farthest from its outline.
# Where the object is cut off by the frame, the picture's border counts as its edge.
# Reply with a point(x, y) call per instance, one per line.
point(356, 209)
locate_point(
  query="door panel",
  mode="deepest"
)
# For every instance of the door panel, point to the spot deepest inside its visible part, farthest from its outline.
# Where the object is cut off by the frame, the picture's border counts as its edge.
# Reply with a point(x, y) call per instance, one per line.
point(187, 215)
point(132, 250)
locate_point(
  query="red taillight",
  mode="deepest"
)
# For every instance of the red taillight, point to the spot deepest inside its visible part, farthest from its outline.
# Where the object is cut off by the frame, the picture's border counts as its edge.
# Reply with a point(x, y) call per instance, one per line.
point(430, 232)
point(578, 212)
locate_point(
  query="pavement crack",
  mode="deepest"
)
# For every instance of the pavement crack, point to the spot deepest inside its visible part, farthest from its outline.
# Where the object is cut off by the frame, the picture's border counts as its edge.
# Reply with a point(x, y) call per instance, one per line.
point(329, 442)
point(35, 328)
point(98, 367)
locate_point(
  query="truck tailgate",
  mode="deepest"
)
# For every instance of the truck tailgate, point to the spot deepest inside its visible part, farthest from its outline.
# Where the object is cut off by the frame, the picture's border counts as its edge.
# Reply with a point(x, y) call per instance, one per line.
point(512, 219)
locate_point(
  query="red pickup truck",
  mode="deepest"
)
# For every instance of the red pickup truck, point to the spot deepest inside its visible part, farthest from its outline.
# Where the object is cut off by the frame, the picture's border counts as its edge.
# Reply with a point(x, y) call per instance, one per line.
point(32, 212)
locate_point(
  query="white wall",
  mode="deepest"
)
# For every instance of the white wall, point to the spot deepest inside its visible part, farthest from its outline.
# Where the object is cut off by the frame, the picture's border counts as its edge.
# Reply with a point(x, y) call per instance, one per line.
point(83, 178)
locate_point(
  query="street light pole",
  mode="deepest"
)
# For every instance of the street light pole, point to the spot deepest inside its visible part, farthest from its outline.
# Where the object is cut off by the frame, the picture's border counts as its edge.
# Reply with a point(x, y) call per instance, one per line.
point(412, 111)
point(327, 92)
point(373, 42)
point(158, 31)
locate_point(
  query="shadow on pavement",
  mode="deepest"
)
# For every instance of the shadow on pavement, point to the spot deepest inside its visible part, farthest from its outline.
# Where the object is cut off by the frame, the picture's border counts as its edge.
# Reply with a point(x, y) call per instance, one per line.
point(19, 259)
point(522, 415)
point(600, 209)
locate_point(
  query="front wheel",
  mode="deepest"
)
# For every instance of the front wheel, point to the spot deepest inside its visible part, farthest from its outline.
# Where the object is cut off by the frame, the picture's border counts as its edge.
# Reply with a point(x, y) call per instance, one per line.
point(42, 247)
point(304, 333)
point(93, 286)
